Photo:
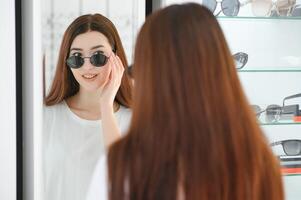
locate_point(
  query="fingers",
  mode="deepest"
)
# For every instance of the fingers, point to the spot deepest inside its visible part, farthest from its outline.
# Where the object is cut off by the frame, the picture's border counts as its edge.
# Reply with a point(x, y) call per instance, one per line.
point(112, 77)
point(111, 66)
point(121, 67)
point(118, 66)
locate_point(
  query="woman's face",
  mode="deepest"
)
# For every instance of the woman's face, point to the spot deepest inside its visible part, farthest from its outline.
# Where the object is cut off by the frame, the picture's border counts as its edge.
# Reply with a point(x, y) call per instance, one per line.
point(87, 44)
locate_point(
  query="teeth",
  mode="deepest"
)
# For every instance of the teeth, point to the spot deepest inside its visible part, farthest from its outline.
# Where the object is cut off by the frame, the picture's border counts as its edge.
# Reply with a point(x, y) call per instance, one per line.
point(89, 76)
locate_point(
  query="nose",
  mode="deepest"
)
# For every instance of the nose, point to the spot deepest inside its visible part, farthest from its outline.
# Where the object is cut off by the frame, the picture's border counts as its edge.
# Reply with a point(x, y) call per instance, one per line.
point(87, 64)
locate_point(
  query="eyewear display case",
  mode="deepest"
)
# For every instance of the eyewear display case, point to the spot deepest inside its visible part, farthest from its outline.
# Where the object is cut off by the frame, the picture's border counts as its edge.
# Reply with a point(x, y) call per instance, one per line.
point(271, 81)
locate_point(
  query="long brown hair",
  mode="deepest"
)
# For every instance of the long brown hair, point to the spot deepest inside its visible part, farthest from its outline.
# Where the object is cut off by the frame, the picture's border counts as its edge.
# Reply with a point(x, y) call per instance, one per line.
point(64, 84)
point(192, 132)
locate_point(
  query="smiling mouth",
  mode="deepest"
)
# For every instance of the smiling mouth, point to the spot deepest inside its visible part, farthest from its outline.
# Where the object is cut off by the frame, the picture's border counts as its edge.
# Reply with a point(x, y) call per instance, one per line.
point(89, 76)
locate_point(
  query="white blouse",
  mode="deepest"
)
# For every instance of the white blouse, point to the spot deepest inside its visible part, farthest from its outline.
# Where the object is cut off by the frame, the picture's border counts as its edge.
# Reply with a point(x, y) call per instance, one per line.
point(98, 189)
point(71, 149)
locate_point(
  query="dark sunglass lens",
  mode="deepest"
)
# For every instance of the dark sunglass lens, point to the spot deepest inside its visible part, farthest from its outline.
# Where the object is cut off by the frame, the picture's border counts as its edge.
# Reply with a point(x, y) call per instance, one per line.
point(257, 110)
point(230, 7)
point(241, 59)
point(297, 11)
point(210, 4)
point(273, 110)
point(98, 60)
point(75, 62)
point(273, 113)
point(292, 148)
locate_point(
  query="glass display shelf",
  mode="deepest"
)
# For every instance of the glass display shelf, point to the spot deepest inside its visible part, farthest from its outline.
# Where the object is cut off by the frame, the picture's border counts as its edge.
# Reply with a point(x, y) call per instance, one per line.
point(279, 123)
point(288, 175)
point(276, 119)
point(270, 69)
point(257, 18)
point(290, 165)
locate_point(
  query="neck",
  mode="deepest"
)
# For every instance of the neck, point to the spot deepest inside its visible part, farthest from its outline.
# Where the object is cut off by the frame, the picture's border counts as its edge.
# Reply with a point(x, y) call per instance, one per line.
point(88, 100)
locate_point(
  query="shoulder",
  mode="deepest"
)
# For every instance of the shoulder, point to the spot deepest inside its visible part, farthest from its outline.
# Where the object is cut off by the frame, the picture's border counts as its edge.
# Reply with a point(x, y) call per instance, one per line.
point(54, 109)
point(51, 109)
point(98, 188)
point(51, 115)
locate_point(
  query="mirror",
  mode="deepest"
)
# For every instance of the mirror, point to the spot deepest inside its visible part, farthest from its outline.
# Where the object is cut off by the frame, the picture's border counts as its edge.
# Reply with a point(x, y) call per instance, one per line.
point(70, 152)
point(72, 142)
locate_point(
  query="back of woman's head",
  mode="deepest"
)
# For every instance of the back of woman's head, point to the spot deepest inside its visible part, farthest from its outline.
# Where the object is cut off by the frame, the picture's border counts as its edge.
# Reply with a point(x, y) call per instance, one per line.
point(64, 84)
point(192, 133)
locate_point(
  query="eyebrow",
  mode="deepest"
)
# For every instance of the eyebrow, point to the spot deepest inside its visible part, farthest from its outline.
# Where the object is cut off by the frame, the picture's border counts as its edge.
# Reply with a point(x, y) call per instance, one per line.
point(96, 47)
point(79, 49)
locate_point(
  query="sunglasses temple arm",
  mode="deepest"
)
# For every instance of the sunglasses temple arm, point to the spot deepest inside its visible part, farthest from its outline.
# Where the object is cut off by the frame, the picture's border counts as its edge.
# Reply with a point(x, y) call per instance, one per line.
point(291, 97)
point(275, 143)
point(258, 113)
point(218, 13)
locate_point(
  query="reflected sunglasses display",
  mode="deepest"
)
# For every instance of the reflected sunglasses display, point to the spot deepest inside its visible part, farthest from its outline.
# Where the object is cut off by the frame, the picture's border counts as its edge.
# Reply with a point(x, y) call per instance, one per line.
point(260, 8)
point(269, 7)
point(290, 147)
point(273, 112)
point(241, 59)
point(296, 12)
point(76, 61)
point(229, 7)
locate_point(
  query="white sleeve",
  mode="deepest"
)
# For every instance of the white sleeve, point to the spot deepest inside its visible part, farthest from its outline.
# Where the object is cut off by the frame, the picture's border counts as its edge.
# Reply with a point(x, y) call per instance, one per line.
point(98, 189)
point(125, 121)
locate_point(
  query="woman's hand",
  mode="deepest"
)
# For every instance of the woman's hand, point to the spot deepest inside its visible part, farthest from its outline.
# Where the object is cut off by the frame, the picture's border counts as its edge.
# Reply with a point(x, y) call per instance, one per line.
point(111, 132)
point(112, 85)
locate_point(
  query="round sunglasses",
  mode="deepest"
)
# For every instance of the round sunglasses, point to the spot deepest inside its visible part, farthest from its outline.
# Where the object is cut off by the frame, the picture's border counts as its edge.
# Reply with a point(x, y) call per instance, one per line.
point(228, 7)
point(272, 112)
point(75, 61)
point(290, 147)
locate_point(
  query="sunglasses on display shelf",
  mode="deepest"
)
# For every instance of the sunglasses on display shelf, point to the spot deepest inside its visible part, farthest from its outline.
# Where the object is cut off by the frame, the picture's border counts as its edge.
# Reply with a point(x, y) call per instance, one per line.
point(290, 147)
point(260, 8)
point(264, 8)
point(293, 108)
point(295, 12)
point(272, 112)
point(290, 97)
point(228, 7)
point(240, 59)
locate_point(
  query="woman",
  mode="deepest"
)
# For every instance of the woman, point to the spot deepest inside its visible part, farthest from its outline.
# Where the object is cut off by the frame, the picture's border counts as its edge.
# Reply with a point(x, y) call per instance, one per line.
point(88, 92)
point(192, 134)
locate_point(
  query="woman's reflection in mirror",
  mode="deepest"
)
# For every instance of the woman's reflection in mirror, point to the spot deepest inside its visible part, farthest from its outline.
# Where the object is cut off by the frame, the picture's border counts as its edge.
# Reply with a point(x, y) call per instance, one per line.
point(87, 107)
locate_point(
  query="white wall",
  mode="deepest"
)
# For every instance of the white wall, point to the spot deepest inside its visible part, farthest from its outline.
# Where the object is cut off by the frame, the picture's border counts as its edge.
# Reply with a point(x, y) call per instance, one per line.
point(7, 102)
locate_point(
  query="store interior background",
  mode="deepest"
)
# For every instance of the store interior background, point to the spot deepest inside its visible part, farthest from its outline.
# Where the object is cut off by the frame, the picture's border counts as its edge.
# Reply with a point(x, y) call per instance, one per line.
point(270, 43)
